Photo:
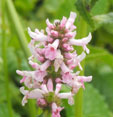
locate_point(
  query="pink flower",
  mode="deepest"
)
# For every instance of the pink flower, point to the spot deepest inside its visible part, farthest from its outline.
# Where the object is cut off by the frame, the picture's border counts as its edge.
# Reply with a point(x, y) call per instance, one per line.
point(34, 52)
point(50, 25)
point(50, 85)
point(68, 55)
point(54, 33)
point(53, 59)
point(38, 36)
point(71, 20)
point(41, 72)
point(58, 61)
point(66, 77)
point(56, 110)
point(33, 64)
point(34, 94)
point(75, 60)
point(83, 79)
point(67, 47)
point(39, 75)
point(64, 68)
point(63, 22)
point(27, 78)
point(58, 88)
point(82, 42)
point(51, 50)
point(68, 96)
point(70, 34)
point(41, 102)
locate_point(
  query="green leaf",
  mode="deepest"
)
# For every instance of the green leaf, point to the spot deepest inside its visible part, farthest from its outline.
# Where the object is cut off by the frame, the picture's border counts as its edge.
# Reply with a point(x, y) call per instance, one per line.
point(4, 111)
point(99, 55)
point(100, 7)
point(52, 5)
point(14, 92)
point(82, 7)
point(94, 105)
point(65, 8)
point(25, 6)
point(100, 65)
point(108, 27)
point(104, 19)
point(103, 39)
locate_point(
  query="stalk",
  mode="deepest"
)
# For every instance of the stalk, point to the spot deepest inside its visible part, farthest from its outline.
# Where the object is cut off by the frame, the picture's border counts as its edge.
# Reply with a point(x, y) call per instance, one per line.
point(5, 68)
point(82, 31)
point(46, 113)
point(23, 42)
point(18, 27)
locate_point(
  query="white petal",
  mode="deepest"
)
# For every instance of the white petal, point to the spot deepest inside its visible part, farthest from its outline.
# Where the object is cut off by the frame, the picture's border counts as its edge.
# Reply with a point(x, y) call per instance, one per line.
point(44, 88)
point(23, 91)
point(54, 106)
point(24, 100)
point(58, 88)
point(81, 42)
point(70, 20)
point(45, 65)
point(64, 68)
point(36, 93)
point(70, 100)
point(55, 43)
point(37, 37)
point(64, 95)
point(85, 78)
point(81, 57)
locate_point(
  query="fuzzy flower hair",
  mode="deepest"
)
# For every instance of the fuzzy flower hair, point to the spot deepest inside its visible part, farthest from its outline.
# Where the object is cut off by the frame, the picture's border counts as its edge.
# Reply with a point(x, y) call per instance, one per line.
point(56, 59)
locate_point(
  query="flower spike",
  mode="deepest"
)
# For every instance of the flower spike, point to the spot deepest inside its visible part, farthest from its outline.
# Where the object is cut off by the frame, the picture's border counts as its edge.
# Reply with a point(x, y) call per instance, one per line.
point(53, 60)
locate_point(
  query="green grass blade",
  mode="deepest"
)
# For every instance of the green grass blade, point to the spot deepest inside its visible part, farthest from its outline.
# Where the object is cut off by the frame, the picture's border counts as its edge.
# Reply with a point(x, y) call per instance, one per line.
point(18, 27)
point(82, 31)
point(4, 51)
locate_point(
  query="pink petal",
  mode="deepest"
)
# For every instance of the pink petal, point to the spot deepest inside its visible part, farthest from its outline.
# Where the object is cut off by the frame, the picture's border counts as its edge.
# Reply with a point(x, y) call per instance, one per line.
point(64, 68)
point(45, 65)
point(58, 88)
point(49, 24)
point(50, 85)
point(63, 22)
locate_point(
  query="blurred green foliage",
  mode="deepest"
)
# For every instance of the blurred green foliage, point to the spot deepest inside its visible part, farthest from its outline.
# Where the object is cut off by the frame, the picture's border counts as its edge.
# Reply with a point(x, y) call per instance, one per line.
point(98, 96)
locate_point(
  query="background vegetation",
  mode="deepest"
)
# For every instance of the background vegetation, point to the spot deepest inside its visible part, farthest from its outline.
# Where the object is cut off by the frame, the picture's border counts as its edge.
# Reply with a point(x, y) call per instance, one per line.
point(17, 15)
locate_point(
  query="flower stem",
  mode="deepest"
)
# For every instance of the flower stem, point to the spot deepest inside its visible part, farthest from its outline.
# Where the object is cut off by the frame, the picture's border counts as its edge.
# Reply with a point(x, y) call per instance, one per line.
point(5, 68)
point(82, 31)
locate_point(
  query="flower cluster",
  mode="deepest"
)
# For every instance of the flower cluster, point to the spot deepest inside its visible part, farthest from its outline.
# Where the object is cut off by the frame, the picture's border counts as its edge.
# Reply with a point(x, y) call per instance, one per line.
point(53, 59)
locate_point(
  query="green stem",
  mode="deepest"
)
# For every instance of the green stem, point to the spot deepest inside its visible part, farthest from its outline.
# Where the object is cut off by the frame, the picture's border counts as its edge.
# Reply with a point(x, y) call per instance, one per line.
point(4, 51)
point(82, 31)
point(46, 113)
point(18, 27)
point(32, 108)
point(23, 42)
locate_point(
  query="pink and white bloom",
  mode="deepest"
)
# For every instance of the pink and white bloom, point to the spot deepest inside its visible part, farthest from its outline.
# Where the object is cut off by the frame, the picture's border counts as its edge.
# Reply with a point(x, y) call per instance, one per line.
point(71, 20)
point(53, 60)
point(56, 110)
point(75, 60)
point(34, 94)
point(58, 61)
point(82, 42)
point(51, 50)
point(38, 36)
